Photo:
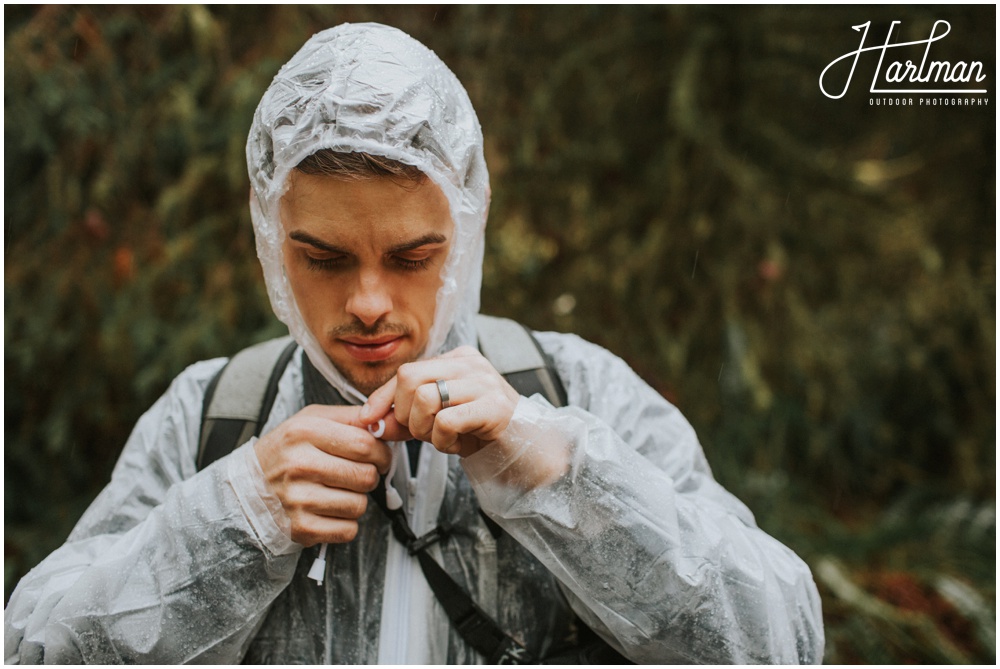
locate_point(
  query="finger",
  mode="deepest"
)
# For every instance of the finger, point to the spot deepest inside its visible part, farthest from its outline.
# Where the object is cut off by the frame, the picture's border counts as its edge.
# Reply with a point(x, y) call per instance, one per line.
point(341, 474)
point(427, 401)
point(390, 430)
point(478, 419)
point(323, 515)
point(312, 530)
point(321, 500)
point(425, 405)
point(343, 414)
point(351, 415)
point(345, 441)
point(307, 465)
point(415, 374)
point(379, 402)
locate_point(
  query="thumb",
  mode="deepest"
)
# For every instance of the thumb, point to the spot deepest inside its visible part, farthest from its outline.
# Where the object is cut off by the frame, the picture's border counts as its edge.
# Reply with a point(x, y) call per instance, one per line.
point(379, 403)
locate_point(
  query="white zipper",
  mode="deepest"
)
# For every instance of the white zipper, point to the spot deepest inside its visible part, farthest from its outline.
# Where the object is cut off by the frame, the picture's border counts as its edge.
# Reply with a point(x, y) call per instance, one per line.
point(401, 642)
point(394, 630)
point(328, 651)
point(412, 632)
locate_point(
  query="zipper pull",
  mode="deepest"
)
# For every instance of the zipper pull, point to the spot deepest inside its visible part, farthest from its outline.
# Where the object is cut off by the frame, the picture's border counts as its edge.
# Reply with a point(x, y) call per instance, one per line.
point(317, 571)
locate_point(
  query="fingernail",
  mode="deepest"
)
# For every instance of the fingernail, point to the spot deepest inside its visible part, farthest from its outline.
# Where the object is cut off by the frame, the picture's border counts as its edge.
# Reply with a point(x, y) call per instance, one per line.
point(378, 429)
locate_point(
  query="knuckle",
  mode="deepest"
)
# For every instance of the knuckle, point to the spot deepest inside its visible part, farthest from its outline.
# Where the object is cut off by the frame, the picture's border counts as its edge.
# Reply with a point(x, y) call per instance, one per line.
point(299, 469)
point(496, 382)
point(303, 533)
point(448, 420)
point(304, 538)
point(493, 433)
point(295, 501)
point(295, 432)
point(500, 398)
point(406, 373)
point(358, 476)
point(348, 532)
point(427, 394)
point(367, 477)
point(359, 506)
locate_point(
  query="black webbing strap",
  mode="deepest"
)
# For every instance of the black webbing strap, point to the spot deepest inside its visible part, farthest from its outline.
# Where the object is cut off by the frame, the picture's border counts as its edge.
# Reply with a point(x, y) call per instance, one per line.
point(474, 625)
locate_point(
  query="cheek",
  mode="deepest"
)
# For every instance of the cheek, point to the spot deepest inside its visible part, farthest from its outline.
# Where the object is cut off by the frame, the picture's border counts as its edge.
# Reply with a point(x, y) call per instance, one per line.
point(414, 298)
point(314, 296)
point(297, 279)
point(424, 299)
point(429, 294)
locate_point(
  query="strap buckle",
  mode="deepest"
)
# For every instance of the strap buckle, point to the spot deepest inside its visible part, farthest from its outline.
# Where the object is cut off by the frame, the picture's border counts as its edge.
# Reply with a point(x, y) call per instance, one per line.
point(510, 652)
point(439, 533)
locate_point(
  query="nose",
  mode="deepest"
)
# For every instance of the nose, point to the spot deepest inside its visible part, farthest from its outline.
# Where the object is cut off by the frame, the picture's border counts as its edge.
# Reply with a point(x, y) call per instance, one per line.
point(369, 300)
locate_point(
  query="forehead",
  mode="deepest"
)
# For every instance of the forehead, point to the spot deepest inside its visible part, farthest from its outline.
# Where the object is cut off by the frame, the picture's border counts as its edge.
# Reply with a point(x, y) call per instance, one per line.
point(375, 210)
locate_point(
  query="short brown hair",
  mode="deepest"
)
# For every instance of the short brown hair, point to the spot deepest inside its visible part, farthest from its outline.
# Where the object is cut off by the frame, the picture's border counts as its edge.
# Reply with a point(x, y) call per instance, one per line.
point(357, 166)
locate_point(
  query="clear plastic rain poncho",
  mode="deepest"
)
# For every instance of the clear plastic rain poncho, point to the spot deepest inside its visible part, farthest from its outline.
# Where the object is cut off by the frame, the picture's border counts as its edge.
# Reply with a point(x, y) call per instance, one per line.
point(172, 565)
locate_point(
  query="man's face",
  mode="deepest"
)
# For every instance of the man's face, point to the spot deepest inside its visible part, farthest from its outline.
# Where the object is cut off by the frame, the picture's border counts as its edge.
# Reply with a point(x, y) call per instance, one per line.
point(364, 260)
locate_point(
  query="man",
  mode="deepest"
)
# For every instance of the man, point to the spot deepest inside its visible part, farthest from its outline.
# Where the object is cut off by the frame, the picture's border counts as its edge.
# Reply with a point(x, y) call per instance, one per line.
point(369, 199)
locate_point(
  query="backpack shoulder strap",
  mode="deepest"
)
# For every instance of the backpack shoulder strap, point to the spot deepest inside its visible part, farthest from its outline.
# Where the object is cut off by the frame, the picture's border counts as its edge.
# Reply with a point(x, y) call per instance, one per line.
point(239, 398)
point(513, 350)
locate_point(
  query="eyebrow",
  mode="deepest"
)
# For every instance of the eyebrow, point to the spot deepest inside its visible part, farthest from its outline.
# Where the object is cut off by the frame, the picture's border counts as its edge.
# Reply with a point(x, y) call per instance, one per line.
point(424, 240)
point(306, 238)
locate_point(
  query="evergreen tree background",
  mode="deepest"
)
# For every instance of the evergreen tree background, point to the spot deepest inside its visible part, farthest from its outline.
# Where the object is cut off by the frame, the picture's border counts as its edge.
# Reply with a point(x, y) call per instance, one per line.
point(812, 281)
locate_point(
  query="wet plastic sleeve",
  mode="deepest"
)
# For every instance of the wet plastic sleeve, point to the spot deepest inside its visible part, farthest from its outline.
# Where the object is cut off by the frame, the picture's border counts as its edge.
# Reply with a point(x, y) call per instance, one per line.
point(164, 566)
point(650, 551)
point(261, 506)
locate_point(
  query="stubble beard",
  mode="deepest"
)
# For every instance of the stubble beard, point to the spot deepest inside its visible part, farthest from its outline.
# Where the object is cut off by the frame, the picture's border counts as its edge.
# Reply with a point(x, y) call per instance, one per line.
point(372, 375)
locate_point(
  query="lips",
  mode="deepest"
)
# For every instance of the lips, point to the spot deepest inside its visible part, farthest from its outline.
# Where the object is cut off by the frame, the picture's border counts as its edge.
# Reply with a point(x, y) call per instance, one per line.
point(372, 350)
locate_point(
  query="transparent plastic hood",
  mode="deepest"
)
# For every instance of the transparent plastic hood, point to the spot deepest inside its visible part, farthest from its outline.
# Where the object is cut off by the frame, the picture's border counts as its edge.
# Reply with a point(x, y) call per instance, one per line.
point(371, 88)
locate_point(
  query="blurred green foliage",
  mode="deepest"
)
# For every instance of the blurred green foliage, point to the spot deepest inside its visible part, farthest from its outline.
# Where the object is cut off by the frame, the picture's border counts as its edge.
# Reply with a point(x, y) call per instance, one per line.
point(811, 280)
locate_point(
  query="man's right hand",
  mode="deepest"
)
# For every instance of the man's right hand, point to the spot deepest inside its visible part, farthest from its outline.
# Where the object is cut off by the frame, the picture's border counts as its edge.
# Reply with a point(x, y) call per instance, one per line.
point(322, 463)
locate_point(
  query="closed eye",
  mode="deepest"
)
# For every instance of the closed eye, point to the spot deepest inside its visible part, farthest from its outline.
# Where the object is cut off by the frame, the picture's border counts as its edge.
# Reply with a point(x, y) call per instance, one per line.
point(325, 264)
point(411, 264)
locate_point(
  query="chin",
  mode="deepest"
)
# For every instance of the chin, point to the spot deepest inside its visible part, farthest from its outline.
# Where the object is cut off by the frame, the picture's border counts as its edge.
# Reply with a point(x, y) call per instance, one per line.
point(370, 377)
point(367, 377)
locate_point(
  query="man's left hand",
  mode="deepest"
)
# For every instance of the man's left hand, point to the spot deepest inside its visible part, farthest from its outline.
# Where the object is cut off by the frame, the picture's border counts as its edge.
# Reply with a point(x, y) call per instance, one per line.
point(481, 402)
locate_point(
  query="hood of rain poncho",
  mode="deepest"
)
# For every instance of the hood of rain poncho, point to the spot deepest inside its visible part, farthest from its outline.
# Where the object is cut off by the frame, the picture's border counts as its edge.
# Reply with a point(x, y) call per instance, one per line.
point(373, 89)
